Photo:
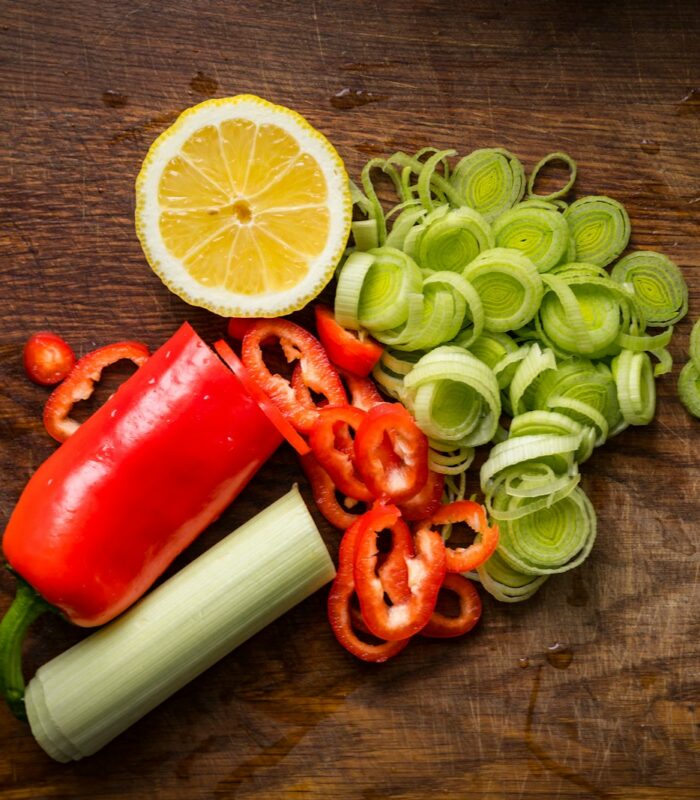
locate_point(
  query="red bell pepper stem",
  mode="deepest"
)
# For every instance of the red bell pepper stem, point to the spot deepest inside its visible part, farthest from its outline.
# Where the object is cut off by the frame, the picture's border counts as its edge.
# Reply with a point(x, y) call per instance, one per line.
point(442, 626)
point(26, 607)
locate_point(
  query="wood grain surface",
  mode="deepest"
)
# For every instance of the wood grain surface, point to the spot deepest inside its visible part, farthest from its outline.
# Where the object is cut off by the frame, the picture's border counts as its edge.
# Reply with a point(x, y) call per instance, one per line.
point(85, 88)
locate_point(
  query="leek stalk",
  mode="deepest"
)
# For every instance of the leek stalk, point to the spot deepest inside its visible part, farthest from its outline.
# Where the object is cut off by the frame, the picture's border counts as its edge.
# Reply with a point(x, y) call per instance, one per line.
point(82, 699)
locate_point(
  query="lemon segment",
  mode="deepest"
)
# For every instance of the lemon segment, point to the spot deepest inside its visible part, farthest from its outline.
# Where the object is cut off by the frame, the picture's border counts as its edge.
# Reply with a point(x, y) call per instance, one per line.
point(243, 208)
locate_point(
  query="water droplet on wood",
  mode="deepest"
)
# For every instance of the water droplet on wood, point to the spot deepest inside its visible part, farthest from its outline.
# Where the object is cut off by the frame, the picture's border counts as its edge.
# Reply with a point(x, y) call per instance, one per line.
point(347, 99)
point(114, 99)
point(650, 146)
point(690, 104)
point(204, 84)
point(523, 663)
point(559, 656)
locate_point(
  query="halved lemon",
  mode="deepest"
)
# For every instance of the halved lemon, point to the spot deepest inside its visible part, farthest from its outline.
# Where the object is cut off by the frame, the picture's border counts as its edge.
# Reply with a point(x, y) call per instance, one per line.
point(242, 207)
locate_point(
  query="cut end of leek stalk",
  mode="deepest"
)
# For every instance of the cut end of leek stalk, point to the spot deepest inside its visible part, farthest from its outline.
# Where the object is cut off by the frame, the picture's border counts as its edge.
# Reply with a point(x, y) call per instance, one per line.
point(82, 699)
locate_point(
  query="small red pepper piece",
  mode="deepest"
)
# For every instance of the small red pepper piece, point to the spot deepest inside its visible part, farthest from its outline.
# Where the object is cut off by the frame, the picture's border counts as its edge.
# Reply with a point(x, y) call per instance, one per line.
point(333, 447)
point(324, 492)
point(425, 572)
point(464, 559)
point(442, 626)
point(363, 392)
point(237, 327)
point(391, 453)
point(427, 501)
point(315, 369)
point(47, 358)
point(344, 348)
point(266, 405)
point(80, 384)
point(341, 613)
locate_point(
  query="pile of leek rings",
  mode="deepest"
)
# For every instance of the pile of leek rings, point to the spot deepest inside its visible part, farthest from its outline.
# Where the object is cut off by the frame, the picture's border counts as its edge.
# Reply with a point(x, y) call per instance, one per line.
point(503, 325)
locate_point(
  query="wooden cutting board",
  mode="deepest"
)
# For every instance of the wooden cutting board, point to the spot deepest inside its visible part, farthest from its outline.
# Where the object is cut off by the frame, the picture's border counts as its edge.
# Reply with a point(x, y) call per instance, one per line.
point(85, 88)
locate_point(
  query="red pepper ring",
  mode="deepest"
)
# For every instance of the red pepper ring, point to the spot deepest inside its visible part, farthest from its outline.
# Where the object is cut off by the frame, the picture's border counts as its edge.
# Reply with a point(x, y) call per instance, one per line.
point(317, 372)
point(425, 573)
point(266, 405)
point(391, 453)
point(79, 384)
point(442, 626)
point(341, 612)
point(333, 447)
point(323, 490)
point(464, 559)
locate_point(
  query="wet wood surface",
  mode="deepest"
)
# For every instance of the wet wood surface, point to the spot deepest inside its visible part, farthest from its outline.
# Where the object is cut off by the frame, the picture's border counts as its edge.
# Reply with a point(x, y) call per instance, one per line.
point(85, 88)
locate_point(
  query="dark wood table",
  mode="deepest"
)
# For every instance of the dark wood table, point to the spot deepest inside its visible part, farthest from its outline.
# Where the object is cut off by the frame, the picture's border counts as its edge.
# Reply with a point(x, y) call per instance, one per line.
point(85, 88)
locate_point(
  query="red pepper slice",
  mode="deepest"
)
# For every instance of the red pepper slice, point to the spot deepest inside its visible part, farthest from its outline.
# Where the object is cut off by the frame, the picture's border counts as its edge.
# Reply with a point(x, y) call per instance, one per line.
point(80, 384)
point(341, 613)
point(442, 626)
point(344, 348)
point(425, 572)
point(324, 492)
point(464, 559)
point(47, 358)
point(427, 501)
point(317, 372)
point(237, 327)
point(363, 392)
point(266, 405)
point(334, 449)
point(391, 453)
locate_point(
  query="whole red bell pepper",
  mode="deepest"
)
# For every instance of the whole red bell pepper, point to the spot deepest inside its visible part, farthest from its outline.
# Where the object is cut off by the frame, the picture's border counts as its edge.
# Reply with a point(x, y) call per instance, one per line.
point(110, 509)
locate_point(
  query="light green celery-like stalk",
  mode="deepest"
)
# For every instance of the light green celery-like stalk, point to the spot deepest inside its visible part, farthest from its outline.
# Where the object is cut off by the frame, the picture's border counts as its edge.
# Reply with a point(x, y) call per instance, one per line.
point(86, 696)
